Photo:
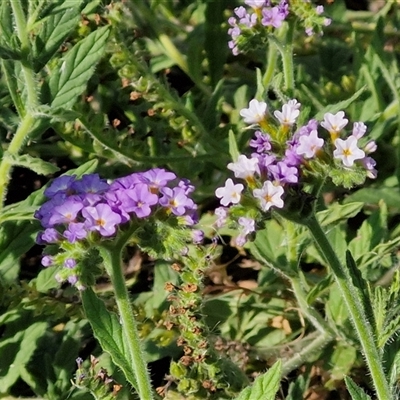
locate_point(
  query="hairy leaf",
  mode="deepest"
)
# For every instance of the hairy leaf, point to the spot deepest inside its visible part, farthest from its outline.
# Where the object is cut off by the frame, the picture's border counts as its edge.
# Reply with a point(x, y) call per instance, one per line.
point(71, 77)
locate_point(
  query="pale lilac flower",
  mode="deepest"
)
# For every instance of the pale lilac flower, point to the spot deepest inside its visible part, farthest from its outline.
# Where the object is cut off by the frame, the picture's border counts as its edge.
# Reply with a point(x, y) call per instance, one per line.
point(244, 168)
point(334, 123)
point(75, 231)
point(101, 218)
point(47, 261)
point(274, 16)
point(240, 240)
point(230, 193)
point(197, 236)
point(247, 225)
point(261, 143)
point(309, 145)
point(70, 263)
point(370, 147)
point(359, 129)
point(309, 31)
point(264, 161)
point(269, 195)
point(156, 178)
point(186, 185)
point(176, 200)
point(289, 113)
point(255, 113)
point(50, 235)
point(347, 151)
point(65, 213)
point(222, 214)
point(72, 279)
point(327, 21)
point(319, 9)
point(369, 164)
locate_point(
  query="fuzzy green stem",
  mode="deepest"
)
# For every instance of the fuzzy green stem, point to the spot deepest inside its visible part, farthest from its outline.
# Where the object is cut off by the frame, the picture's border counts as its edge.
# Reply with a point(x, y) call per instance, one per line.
point(298, 359)
point(13, 149)
point(272, 57)
point(355, 308)
point(287, 60)
point(112, 261)
point(30, 83)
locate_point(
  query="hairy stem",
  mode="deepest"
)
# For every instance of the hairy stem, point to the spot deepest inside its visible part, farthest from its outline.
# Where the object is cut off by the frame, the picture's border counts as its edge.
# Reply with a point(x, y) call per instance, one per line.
point(356, 310)
point(112, 261)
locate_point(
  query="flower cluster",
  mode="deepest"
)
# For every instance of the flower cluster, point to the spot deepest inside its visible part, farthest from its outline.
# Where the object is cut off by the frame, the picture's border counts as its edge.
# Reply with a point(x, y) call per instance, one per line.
point(287, 159)
point(266, 15)
point(90, 209)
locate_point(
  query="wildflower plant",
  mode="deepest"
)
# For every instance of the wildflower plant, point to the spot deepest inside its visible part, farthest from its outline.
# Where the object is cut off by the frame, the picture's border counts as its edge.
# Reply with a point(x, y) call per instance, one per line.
point(192, 193)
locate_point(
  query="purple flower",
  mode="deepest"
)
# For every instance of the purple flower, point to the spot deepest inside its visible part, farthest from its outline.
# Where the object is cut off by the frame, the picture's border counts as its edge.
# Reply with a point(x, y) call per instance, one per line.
point(261, 142)
point(126, 182)
point(222, 214)
point(72, 279)
point(65, 213)
point(50, 235)
point(101, 218)
point(274, 16)
point(46, 210)
point(247, 225)
point(47, 261)
point(90, 184)
point(75, 231)
point(62, 184)
point(138, 200)
point(186, 185)
point(284, 173)
point(197, 236)
point(176, 200)
point(157, 178)
point(70, 263)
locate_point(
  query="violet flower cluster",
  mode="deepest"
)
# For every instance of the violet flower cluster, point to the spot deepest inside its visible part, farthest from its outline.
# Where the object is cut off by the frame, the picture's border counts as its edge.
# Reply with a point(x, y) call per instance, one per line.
point(287, 158)
point(267, 15)
point(86, 210)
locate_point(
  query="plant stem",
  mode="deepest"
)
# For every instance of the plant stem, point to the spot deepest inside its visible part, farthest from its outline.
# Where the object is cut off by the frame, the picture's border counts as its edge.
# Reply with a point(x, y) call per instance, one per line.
point(356, 310)
point(13, 149)
point(112, 261)
point(298, 359)
point(272, 57)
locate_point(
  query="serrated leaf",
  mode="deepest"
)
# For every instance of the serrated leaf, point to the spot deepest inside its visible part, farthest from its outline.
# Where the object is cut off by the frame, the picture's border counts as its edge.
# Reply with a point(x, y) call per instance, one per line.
point(265, 386)
point(33, 163)
point(107, 330)
point(355, 391)
point(342, 105)
point(54, 30)
point(70, 79)
point(338, 212)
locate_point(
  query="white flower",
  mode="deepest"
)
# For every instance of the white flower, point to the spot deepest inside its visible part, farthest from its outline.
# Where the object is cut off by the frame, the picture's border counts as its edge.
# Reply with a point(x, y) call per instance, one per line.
point(244, 167)
point(334, 123)
point(230, 193)
point(309, 144)
point(269, 195)
point(289, 113)
point(255, 113)
point(255, 3)
point(347, 151)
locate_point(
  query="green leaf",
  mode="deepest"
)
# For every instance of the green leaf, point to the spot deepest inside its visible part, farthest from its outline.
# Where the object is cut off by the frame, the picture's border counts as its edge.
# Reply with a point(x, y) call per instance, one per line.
point(342, 105)
point(26, 348)
point(33, 163)
point(215, 39)
point(107, 330)
point(338, 212)
point(46, 279)
point(70, 79)
point(265, 386)
point(54, 30)
point(391, 196)
point(163, 273)
point(355, 391)
point(233, 147)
